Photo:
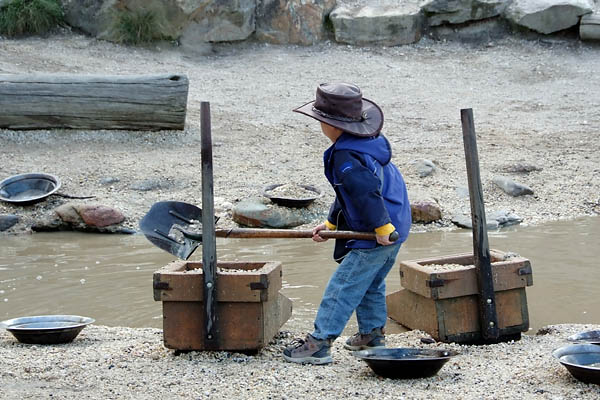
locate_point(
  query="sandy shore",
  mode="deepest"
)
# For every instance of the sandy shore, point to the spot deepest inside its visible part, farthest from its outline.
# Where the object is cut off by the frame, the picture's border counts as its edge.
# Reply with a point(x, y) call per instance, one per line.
point(125, 363)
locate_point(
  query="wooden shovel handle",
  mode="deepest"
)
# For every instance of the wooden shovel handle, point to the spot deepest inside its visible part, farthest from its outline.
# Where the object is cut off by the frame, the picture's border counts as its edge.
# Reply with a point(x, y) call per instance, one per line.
point(291, 234)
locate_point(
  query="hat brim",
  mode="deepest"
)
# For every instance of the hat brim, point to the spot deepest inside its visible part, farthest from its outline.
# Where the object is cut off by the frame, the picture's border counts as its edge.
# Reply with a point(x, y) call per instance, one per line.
point(370, 126)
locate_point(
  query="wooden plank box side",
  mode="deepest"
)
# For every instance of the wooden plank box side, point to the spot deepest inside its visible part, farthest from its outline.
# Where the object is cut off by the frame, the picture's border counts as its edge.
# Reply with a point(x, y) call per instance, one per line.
point(508, 273)
point(184, 281)
point(239, 326)
point(457, 319)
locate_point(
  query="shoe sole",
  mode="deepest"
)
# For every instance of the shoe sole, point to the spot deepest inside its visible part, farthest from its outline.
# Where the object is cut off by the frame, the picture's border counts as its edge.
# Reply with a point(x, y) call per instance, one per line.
point(309, 360)
point(363, 347)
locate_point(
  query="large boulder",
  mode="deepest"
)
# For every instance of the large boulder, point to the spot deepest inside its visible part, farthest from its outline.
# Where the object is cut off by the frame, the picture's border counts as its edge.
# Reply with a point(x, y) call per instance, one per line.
point(219, 21)
point(87, 15)
point(194, 21)
point(387, 25)
point(547, 16)
point(589, 28)
point(440, 12)
point(292, 21)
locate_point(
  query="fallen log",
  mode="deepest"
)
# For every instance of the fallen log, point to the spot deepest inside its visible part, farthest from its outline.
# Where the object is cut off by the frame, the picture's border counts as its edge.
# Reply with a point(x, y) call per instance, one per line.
point(131, 102)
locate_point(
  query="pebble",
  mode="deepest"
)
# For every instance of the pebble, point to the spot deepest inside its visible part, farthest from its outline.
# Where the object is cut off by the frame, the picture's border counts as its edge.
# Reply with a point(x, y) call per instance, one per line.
point(118, 362)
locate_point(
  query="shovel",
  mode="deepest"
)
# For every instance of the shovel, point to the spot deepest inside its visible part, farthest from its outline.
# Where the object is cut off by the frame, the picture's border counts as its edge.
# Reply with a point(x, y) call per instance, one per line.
point(166, 226)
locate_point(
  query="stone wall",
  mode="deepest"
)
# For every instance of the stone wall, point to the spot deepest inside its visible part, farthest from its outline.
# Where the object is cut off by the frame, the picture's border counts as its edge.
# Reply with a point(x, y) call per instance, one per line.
point(356, 22)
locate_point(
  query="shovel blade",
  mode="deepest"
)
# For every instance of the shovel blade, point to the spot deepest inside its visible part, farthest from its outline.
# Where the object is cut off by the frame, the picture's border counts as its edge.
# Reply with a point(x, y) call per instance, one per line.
point(158, 222)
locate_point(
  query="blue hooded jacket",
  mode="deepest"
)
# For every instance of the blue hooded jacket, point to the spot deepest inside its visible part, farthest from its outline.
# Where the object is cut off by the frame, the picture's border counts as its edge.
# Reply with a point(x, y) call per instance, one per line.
point(370, 191)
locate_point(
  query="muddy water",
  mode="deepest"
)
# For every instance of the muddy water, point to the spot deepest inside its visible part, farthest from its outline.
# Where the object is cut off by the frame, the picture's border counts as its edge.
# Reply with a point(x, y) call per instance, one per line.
point(109, 277)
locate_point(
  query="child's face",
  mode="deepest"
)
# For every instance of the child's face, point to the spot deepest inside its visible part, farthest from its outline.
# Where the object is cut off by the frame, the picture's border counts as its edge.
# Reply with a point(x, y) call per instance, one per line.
point(331, 132)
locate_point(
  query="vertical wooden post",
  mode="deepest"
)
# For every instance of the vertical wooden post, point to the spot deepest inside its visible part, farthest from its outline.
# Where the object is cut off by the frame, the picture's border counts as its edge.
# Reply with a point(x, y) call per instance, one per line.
point(488, 317)
point(209, 245)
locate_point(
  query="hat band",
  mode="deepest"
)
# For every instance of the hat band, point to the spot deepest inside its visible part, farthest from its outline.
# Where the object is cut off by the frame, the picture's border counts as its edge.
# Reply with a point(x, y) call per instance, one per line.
point(339, 118)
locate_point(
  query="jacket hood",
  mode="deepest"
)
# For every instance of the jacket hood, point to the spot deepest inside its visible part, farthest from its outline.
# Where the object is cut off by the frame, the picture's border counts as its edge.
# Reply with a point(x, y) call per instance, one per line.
point(377, 147)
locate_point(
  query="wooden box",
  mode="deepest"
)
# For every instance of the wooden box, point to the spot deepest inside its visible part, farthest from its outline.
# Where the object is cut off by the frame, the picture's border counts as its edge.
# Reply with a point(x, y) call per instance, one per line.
point(440, 296)
point(250, 310)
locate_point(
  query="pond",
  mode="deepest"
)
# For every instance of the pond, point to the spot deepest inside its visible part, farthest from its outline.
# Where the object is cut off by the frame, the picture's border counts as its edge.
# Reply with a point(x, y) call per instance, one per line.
point(109, 277)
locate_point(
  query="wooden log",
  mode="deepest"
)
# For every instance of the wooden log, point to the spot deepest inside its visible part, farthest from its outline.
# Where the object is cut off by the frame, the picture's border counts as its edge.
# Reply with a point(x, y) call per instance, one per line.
point(132, 102)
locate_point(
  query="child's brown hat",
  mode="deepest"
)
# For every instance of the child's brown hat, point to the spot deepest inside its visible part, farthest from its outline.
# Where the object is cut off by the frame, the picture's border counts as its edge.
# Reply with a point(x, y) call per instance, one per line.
point(342, 105)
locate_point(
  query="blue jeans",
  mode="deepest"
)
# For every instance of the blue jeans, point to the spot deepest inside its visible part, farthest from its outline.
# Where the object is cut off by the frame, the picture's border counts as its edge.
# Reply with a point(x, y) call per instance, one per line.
point(357, 284)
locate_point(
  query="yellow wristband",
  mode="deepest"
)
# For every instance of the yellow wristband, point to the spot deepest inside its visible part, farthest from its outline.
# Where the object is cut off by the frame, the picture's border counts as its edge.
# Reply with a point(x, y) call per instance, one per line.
point(330, 226)
point(385, 229)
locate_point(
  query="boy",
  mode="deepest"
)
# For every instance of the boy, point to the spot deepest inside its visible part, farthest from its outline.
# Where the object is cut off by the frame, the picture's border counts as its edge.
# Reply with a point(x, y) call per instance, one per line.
point(370, 196)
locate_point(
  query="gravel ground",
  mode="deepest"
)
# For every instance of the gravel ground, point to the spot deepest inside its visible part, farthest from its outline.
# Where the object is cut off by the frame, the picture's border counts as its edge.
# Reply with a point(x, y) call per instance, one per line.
point(124, 363)
point(532, 105)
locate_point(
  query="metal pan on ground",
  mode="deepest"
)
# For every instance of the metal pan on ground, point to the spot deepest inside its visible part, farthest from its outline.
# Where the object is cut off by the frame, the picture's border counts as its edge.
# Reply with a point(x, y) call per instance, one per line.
point(592, 337)
point(405, 363)
point(46, 329)
point(28, 188)
point(581, 360)
point(303, 196)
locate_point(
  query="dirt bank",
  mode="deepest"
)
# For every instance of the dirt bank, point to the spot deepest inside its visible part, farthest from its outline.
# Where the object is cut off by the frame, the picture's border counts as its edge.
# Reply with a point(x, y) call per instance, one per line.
point(532, 105)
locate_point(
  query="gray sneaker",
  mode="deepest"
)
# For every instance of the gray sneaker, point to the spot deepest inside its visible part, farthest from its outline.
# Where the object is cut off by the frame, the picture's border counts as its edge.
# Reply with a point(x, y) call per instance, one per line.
point(371, 340)
point(309, 351)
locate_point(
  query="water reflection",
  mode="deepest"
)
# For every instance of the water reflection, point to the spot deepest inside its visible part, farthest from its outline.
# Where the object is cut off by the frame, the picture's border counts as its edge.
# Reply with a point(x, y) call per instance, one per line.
point(109, 277)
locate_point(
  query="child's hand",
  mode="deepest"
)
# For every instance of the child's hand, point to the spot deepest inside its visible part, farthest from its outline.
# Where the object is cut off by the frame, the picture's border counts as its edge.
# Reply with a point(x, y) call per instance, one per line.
point(383, 240)
point(316, 231)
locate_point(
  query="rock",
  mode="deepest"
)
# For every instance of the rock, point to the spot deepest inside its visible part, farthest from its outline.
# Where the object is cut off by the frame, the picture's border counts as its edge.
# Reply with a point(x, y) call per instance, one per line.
point(547, 16)
point(424, 167)
point(99, 216)
point(147, 185)
point(109, 180)
point(219, 21)
point(292, 21)
point(511, 187)
point(7, 221)
point(504, 218)
point(194, 21)
point(385, 25)
point(255, 213)
point(92, 217)
point(494, 220)
point(589, 27)
point(68, 214)
point(440, 12)
point(465, 221)
point(476, 32)
point(49, 224)
point(520, 168)
point(87, 15)
point(425, 211)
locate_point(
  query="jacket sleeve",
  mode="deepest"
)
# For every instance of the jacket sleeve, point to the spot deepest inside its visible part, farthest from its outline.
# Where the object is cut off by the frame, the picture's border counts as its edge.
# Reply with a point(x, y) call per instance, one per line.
point(332, 217)
point(362, 188)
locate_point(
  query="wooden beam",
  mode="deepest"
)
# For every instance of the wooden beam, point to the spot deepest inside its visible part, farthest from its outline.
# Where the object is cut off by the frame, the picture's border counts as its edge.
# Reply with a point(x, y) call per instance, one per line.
point(209, 241)
point(130, 102)
point(481, 249)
